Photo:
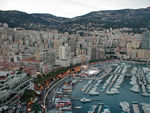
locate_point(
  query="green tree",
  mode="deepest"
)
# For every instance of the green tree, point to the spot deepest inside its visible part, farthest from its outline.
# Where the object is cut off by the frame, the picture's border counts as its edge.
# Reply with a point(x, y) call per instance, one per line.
point(28, 94)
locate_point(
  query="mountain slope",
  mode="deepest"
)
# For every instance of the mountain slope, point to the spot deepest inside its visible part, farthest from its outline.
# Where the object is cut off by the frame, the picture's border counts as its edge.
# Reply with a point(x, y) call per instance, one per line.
point(131, 18)
point(114, 19)
point(30, 21)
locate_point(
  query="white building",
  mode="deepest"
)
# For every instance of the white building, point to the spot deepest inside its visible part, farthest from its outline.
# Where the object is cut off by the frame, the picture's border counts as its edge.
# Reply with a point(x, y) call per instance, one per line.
point(64, 63)
point(11, 82)
point(4, 94)
point(76, 60)
point(64, 52)
point(64, 56)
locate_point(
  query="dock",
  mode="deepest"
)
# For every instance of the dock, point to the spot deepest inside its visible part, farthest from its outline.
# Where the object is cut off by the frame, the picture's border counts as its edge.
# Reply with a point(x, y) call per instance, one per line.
point(142, 82)
point(112, 82)
point(86, 92)
point(103, 76)
point(100, 108)
point(144, 89)
point(135, 108)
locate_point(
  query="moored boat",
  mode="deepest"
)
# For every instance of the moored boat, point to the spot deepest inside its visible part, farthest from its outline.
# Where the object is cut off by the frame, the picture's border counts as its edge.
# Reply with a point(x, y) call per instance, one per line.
point(92, 109)
point(85, 100)
point(78, 107)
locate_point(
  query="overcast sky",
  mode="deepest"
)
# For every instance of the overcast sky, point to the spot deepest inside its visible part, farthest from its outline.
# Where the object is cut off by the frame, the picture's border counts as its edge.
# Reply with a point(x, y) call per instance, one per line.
point(70, 8)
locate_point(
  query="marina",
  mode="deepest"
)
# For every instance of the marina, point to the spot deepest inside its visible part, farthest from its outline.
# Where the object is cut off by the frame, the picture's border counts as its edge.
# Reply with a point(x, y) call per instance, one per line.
point(112, 90)
point(86, 92)
point(111, 83)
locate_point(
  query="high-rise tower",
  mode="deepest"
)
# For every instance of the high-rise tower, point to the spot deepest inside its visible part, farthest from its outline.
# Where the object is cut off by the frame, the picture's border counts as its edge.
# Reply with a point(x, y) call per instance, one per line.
point(145, 43)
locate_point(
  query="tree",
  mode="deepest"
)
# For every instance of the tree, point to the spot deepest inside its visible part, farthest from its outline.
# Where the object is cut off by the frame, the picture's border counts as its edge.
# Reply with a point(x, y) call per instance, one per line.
point(28, 94)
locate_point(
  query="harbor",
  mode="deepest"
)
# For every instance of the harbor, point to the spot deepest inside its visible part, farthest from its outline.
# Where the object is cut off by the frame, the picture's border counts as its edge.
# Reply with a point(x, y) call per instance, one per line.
point(114, 90)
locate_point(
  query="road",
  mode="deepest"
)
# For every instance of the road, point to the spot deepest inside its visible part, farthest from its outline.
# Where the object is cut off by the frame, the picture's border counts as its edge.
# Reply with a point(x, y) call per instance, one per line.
point(48, 98)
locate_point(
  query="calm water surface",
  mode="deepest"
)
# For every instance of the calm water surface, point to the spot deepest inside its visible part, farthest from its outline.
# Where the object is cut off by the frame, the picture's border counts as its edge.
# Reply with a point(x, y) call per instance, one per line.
point(109, 100)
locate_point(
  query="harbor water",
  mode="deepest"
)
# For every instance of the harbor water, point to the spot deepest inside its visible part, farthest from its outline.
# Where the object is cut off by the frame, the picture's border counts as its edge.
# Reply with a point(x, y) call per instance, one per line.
point(111, 101)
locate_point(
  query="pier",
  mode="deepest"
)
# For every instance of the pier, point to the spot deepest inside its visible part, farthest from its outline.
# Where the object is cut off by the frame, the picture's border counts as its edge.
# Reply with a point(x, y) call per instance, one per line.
point(103, 76)
point(142, 81)
point(135, 108)
point(86, 92)
point(144, 89)
point(100, 108)
point(112, 82)
point(118, 73)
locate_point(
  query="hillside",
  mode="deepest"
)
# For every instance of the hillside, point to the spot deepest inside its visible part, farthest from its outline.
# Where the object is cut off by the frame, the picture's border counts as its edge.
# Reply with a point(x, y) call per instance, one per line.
point(131, 18)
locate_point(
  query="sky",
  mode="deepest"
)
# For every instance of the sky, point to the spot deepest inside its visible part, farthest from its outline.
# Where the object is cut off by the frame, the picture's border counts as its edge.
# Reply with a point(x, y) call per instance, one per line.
point(70, 8)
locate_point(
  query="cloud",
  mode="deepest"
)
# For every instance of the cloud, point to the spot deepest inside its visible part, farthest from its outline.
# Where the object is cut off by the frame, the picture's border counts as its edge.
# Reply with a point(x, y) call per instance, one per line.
point(70, 8)
point(82, 3)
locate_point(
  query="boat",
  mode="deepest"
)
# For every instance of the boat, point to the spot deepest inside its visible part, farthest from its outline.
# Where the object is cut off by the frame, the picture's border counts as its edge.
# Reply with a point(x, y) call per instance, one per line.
point(106, 110)
point(59, 92)
point(145, 107)
point(93, 93)
point(102, 89)
point(125, 106)
point(78, 107)
point(66, 108)
point(67, 103)
point(85, 100)
point(92, 109)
